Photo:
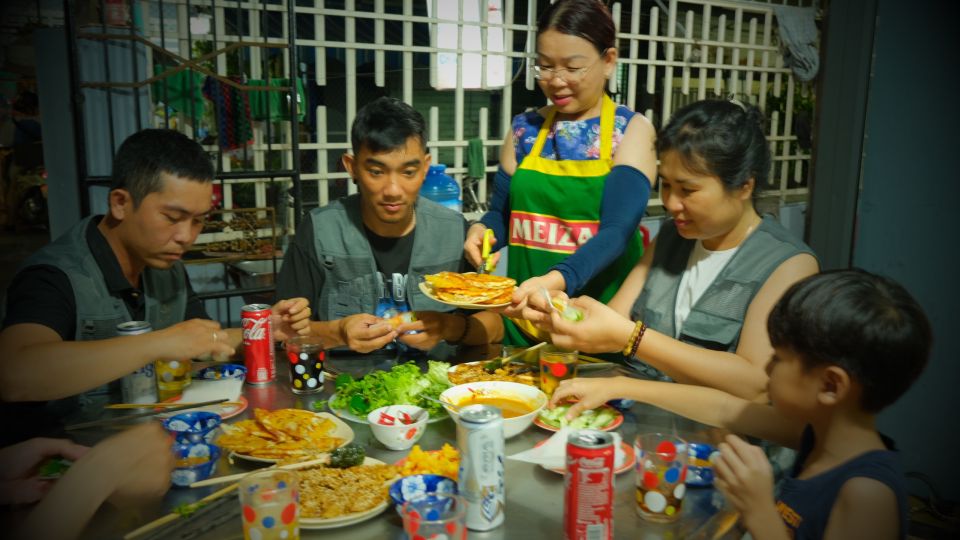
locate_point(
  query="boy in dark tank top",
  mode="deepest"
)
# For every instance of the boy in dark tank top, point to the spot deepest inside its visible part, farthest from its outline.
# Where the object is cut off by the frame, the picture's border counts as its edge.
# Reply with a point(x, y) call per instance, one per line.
point(846, 345)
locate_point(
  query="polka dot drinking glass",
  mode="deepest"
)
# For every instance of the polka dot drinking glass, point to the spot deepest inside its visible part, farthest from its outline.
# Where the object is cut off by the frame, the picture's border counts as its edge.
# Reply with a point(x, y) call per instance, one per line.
point(172, 377)
point(556, 365)
point(270, 505)
point(661, 472)
point(435, 516)
point(306, 356)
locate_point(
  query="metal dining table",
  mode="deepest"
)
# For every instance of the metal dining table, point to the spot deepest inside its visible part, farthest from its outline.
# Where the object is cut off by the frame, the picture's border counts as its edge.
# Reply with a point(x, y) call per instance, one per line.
point(534, 496)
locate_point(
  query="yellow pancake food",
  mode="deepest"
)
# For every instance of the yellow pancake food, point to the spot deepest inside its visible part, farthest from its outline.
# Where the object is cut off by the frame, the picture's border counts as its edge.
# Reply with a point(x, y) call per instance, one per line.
point(471, 288)
point(284, 434)
point(474, 372)
point(510, 406)
point(327, 492)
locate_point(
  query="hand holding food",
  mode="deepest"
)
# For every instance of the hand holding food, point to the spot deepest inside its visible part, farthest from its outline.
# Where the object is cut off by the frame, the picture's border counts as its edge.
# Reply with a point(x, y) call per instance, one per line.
point(365, 333)
point(290, 318)
point(532, 287)
point(744, 476)
point(138, 461)
point(473, 245)
point(590, 393)
point(21, 480)
point(407, 317)
point(426, 329)
point(601, 329)
point(195, 338)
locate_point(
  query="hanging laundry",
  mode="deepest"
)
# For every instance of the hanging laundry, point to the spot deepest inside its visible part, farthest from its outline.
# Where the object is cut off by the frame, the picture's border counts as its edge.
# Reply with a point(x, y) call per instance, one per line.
point(476, 164)
point(275, 104)
point(232, 108)
point(798, 31)
point(180, 91)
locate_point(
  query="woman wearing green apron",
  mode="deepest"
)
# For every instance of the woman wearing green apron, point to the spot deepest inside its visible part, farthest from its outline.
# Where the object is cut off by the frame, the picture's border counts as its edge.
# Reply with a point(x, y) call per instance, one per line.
point(575, 176)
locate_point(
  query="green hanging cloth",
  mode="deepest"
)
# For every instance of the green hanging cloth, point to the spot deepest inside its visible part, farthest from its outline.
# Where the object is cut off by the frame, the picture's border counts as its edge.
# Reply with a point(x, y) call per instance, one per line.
point(177, 93)
point(275, 105)
point(476, 164)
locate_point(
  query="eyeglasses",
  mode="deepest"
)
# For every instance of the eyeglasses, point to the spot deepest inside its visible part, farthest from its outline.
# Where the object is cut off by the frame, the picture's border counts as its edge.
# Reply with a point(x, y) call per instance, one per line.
point(566, 75)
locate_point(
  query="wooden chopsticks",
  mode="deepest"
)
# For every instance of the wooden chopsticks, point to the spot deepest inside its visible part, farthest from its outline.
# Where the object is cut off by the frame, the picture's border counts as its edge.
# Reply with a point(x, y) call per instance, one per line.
point(124, 418)
point(175, 516)
point(166, 405)
point(234, 477)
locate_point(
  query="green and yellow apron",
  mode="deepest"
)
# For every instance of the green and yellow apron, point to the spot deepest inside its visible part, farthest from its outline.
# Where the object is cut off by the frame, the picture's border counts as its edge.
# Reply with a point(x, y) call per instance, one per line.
point(555, 209)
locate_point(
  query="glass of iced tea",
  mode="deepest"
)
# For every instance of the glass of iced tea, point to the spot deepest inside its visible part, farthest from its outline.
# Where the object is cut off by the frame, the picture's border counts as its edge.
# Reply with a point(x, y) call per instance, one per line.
point(661, 473)
point(172, 377)
point(269, 505)
point(556, 365)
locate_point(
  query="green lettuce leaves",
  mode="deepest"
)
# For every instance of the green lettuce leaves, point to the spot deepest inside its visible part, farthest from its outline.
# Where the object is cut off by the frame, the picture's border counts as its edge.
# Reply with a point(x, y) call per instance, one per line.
point(404, 384)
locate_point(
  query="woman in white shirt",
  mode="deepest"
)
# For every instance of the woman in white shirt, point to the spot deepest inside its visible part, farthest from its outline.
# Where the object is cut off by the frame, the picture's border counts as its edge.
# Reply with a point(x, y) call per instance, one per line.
point(694, 308)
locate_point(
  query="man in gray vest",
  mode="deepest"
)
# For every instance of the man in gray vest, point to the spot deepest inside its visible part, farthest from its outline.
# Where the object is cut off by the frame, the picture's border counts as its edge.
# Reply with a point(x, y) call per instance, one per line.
point(66, 300)
point(360, 259)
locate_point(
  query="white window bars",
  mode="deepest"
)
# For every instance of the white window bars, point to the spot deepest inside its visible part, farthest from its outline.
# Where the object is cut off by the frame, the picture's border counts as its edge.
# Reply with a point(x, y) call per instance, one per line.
point(672, 52)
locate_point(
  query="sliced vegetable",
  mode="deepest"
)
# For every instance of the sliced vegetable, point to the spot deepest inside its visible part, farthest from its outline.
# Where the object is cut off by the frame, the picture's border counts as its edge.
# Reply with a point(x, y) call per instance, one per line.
point(589, 419)
point(186, 510)
point(53, 468)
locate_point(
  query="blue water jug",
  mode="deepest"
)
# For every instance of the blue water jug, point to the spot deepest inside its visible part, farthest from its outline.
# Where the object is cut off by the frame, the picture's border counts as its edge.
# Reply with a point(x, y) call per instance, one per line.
point(441, 188)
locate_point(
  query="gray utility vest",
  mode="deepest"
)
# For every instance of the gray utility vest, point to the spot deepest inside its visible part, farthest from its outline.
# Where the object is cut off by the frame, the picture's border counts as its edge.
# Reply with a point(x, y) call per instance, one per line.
point(98, 312)
point(351, 283)
point(715, 321)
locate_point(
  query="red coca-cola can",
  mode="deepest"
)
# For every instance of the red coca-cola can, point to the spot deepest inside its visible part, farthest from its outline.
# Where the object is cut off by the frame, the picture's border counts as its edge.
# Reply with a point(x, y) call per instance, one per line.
point(258, 343)
point(588, 486)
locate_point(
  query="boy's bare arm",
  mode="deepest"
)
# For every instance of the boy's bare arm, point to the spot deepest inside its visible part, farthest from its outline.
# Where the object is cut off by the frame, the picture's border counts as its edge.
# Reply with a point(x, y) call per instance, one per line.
point(705, 405)
point(864, 508)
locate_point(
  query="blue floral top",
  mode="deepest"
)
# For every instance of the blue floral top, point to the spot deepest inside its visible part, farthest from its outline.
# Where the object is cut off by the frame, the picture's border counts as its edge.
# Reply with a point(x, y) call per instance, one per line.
point(569, 139)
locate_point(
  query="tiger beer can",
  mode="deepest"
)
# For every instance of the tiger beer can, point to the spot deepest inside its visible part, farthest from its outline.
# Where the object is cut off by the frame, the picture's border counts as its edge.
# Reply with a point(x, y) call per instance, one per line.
point(588, 486)
point(258, 343)
point(480, 438)
point(141, 385)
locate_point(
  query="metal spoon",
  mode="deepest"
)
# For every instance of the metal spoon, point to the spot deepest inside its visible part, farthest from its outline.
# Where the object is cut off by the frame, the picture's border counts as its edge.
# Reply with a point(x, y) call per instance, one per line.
point(455, 408)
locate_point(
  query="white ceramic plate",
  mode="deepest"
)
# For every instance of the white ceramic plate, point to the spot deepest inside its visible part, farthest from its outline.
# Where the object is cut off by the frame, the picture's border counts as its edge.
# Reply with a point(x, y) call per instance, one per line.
point(349, 519)
point(425, 289)
point(347, 415)
point(341, 430)
point(225, 411)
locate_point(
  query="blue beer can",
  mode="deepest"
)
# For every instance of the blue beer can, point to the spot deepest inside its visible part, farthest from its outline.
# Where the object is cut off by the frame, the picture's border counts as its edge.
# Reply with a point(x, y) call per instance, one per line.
point(700, 461)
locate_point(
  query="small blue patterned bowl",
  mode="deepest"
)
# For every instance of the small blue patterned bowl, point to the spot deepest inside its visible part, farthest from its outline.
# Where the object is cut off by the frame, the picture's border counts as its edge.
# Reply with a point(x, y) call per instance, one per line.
point(193, 427)
point(700, 464)
point(195, 462)
point(222, 371)
point(408, 487)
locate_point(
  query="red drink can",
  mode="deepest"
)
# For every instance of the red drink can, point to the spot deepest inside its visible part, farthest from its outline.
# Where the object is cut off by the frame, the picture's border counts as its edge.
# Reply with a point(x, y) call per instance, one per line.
point(588, 486)
point(258, 343)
